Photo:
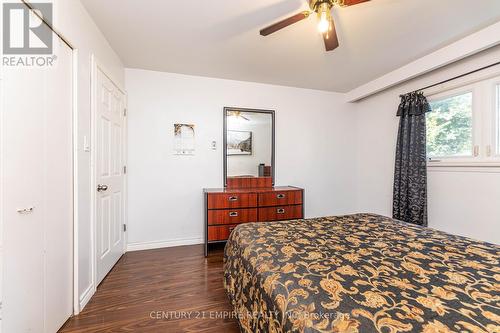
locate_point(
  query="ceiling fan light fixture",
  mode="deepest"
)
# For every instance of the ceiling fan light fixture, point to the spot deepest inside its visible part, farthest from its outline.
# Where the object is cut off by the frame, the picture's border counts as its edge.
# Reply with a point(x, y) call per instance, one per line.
point(324, 15)
point(326, 25)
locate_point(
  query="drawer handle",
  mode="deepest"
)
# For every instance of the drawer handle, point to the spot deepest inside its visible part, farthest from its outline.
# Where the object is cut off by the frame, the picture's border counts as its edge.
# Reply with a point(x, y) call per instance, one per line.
point(233, 214)
point(231, 229)
point(233, 199)
point(280, 196)
point(280, 211)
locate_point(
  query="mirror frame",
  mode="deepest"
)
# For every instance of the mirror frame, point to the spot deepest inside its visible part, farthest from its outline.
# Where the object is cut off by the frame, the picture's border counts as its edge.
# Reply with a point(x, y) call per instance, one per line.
point(224, 139)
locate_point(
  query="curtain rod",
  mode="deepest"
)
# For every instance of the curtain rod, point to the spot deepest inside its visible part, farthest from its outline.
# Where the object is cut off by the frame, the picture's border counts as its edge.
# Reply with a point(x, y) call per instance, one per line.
point(456, 77)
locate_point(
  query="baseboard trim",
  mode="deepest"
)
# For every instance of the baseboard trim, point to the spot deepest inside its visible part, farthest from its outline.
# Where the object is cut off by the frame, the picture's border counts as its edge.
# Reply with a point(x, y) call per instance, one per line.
point(161, 244)
point(86, 296)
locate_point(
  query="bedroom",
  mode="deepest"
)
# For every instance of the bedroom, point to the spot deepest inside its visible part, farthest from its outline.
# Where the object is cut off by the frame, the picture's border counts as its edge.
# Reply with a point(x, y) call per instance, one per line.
point(178, 163)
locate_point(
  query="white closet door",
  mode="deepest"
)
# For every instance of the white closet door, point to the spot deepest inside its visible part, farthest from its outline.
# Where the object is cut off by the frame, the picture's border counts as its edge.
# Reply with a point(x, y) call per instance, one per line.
point(22, 165)
point(58, 192)
point(37, 195)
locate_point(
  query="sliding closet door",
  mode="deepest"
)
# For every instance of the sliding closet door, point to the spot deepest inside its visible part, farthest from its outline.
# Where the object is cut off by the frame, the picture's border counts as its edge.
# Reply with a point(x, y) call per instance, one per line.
point(37, 195)
point(22, 209)
point(58, 192)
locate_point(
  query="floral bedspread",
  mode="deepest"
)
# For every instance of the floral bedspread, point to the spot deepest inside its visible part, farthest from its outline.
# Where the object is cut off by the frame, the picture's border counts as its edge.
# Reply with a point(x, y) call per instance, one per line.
point(360, 273)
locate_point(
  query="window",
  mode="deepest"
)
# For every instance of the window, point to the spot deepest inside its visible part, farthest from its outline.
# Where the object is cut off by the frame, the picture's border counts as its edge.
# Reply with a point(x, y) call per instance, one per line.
point(449, 127)
point(497, 114)
point(464, 125)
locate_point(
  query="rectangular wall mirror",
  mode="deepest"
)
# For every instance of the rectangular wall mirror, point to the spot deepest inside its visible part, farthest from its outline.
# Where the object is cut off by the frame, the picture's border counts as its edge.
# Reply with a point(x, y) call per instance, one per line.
point(248, 147)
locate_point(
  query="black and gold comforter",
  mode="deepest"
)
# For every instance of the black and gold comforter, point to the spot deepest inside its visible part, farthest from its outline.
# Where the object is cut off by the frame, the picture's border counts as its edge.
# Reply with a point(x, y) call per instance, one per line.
point(360, 273)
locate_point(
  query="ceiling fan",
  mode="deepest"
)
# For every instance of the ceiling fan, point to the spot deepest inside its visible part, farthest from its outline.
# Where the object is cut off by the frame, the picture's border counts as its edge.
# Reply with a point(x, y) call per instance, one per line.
point(326, 26)
point(237, 115)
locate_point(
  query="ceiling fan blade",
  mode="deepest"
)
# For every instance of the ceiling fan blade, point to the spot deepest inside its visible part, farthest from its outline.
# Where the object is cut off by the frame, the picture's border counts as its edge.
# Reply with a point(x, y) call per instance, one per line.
point(285, 23)
point(353, 2)
point(330, 38)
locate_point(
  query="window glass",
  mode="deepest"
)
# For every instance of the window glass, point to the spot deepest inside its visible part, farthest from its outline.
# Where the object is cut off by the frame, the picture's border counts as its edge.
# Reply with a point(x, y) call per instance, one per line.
point(497, 130)
point(449, 127)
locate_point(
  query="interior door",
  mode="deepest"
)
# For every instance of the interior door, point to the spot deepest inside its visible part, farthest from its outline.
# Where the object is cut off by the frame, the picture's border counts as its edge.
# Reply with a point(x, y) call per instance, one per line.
point(37, 195)
point(109, 130)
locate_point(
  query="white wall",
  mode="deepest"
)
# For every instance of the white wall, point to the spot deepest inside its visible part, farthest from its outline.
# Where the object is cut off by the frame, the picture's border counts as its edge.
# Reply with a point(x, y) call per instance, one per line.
point(74, 23)
point(314, 150)
point(461, 201)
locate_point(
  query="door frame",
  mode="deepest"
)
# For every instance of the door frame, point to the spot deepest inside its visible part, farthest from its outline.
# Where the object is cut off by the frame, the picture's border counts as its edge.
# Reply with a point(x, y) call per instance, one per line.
point(96, 65)
point(76, 303)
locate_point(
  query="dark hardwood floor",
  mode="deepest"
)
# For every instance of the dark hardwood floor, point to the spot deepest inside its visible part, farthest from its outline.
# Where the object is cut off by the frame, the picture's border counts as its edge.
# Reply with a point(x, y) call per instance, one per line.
point(165, 290)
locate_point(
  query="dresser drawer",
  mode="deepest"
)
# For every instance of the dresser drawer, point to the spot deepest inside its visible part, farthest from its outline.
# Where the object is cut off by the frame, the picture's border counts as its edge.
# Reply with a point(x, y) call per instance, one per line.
point(280, 213)
point(277, 198)
point(236, 200)
point(232, 216)
point(220, 233)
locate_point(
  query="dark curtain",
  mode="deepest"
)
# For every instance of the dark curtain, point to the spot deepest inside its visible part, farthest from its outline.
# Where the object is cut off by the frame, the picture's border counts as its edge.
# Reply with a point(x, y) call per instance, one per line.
point(410, 178)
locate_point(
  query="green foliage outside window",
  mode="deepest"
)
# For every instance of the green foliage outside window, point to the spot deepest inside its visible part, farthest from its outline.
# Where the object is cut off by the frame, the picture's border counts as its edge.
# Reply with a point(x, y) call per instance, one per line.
point(449, 127)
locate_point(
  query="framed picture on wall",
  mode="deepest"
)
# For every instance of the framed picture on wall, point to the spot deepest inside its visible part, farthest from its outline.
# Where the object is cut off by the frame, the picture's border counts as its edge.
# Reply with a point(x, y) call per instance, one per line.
point(239, 142)
point(184, 139)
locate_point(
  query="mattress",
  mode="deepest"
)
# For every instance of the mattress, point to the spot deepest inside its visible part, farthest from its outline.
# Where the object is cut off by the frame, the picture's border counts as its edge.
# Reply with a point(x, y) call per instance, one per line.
point(360, 273)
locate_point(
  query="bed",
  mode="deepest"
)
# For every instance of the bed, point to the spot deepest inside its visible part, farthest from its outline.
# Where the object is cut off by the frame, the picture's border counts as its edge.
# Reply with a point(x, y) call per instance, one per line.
point(360, 273)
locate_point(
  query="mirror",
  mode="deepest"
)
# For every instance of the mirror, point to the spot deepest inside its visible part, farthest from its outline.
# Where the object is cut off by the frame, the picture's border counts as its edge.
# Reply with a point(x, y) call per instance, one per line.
point(249, 146)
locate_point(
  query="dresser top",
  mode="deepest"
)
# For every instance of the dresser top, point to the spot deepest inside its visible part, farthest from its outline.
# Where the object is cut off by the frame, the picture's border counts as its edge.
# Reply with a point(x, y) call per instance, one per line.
point(251, 190)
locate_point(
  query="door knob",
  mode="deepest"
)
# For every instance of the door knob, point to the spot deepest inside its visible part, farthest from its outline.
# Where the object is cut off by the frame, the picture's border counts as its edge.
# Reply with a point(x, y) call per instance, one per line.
point(102, 188)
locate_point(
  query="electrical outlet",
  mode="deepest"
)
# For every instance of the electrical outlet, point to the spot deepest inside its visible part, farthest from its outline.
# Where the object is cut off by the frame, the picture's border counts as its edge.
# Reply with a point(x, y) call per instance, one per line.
point(213, 145)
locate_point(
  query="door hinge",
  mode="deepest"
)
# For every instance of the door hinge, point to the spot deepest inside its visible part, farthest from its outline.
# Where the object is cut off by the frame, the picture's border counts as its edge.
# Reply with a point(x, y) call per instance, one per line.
point(124, 169)
point(125, 112)
point(124, 227)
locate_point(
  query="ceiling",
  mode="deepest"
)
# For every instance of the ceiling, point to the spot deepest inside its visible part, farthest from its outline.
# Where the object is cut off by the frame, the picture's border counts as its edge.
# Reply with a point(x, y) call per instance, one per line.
point(220, 38)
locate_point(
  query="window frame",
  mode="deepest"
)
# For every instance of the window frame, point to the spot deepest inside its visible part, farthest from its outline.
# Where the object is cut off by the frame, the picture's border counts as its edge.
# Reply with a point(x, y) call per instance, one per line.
point(495, 147)
point(485, 119)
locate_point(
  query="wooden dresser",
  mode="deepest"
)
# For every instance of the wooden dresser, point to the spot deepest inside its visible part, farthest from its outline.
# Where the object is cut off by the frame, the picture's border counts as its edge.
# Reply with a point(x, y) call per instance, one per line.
point(225, 208)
